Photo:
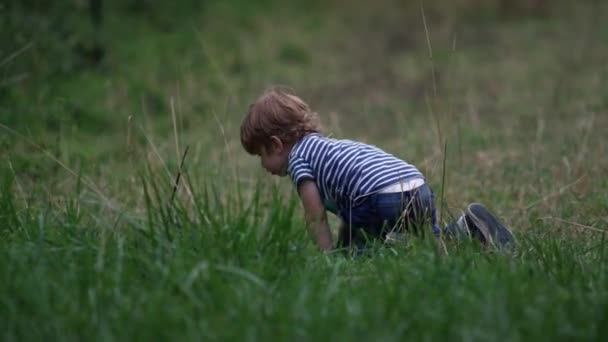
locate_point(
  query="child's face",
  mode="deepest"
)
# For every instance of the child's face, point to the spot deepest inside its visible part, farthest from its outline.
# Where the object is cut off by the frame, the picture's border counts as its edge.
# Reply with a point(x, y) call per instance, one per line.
point(274, 158)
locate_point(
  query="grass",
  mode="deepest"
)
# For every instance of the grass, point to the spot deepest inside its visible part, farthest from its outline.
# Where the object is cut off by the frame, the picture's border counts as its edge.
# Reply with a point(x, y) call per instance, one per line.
point(510, 112)
point(247, 276)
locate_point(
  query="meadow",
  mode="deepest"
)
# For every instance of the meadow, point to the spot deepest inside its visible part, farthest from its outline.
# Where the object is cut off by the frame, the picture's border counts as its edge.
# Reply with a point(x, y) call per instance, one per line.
point(500, 104)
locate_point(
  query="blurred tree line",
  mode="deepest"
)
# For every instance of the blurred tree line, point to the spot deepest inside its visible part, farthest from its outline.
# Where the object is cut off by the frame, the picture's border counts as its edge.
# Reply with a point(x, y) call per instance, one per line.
point(44, 42)
point(68, 35)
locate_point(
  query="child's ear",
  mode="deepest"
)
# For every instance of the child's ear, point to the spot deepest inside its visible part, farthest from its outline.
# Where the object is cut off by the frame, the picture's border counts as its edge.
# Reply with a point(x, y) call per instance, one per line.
point(277, 144)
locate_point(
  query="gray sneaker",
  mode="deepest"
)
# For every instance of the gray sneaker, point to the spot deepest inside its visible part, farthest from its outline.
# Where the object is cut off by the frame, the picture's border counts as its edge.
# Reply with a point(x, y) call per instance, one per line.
point(487, 228)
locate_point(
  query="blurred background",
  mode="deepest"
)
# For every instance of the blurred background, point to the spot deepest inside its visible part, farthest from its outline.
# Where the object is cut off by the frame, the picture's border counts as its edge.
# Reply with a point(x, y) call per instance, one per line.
point(508, 96)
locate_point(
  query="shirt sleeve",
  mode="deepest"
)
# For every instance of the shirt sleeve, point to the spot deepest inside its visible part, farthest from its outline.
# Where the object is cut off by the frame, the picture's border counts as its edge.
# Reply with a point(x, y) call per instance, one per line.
point(299, 170)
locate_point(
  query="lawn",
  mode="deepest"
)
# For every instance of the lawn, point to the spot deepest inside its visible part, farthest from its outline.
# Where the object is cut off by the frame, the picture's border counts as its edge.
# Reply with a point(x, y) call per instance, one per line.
point(498, 102)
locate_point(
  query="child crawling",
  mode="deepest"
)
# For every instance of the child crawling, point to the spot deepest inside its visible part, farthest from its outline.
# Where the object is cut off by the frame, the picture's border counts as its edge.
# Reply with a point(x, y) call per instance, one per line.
point(375, 194)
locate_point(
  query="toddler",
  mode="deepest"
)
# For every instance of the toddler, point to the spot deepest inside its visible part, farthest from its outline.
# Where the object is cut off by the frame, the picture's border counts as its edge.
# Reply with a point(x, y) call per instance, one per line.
point(375, 194)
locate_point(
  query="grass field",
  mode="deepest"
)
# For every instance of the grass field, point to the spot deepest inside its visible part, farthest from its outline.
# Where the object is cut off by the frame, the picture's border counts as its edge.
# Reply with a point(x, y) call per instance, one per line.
point(507, 106)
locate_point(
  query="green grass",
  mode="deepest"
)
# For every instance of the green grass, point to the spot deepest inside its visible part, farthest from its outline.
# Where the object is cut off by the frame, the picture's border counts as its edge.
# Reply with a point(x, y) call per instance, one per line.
point(242, 275)
point(91, 247)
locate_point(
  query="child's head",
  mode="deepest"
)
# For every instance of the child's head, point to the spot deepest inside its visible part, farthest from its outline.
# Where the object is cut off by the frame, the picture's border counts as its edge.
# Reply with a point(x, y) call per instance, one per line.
point(277, 114)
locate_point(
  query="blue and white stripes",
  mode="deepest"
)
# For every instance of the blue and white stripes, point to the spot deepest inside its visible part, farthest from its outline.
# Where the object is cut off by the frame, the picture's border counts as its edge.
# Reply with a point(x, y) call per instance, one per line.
point(346, 171)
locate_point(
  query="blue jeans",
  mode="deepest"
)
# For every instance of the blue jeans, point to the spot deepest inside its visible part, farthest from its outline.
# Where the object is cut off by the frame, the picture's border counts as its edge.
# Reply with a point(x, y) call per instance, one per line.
point(381, 213)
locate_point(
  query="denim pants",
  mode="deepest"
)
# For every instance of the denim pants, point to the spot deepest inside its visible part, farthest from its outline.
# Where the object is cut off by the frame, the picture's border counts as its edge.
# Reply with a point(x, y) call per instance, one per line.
point(380, 213)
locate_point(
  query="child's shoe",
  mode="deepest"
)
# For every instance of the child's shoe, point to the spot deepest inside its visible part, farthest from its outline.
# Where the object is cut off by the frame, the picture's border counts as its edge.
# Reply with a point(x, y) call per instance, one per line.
point(487, 227)
point(458, 229)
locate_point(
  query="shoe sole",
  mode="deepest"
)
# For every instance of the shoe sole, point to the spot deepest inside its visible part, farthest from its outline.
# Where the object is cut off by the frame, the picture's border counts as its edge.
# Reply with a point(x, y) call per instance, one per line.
point(492, 231)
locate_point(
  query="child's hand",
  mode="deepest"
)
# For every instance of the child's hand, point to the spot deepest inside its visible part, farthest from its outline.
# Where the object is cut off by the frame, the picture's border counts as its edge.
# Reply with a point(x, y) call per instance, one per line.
point(316, 218)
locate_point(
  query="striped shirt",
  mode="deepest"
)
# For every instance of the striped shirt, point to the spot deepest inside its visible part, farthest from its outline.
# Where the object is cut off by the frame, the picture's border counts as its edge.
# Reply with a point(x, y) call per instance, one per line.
point(345, 171)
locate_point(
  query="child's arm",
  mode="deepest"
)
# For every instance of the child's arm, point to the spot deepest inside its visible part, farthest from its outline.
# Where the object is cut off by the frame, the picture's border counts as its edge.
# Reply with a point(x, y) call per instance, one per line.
point(316, 218)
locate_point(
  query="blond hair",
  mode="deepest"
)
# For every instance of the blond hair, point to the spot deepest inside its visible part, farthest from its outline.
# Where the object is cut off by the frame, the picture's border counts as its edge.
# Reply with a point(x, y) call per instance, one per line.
point(280, 113)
